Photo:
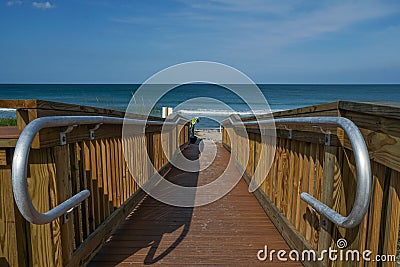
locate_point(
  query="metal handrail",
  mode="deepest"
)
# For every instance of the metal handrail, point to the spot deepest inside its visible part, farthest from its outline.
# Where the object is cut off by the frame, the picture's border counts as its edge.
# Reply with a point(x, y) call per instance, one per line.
point(363, 166)
point(20, 163)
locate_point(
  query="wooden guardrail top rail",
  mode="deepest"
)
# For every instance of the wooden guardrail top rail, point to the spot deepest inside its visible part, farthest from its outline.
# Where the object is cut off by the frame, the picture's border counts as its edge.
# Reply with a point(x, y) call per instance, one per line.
point(29, 110)
point(40, 108)
point(382, 109)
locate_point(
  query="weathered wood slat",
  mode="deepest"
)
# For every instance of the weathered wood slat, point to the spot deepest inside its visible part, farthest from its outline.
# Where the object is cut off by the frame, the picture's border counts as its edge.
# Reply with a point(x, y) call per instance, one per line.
point(311, 190)
point(113, 174)
point(41, 240)
point(64, 188)
point(304, 188)
point(298, 189)
point(75, 182)
point(375, 209)
point(279, 174)
point(84, 207)
point(103, 197)
point(272, 178)
point(105, 177)
point(12, 232)
point(289, 213)
point(123, 187)
point(318, 191)
point(295, 182)
point(56, 224)
point(90, 186)
point(388, 110)
point(327, 196)
point(285, 170)
point(391, 234)
point(340, 175)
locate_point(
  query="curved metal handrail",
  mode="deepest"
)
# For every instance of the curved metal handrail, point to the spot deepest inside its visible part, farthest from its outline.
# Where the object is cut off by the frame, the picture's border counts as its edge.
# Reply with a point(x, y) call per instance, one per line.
point(20, 163)
point(363, 166)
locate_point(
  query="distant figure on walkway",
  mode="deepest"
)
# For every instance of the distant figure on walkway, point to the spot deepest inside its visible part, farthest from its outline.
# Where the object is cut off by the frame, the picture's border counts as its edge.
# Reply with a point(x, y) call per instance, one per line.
point(193, 122)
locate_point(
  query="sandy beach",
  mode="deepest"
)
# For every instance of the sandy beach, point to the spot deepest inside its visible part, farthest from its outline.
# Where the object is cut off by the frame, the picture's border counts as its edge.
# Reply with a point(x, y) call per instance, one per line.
point(212, 134)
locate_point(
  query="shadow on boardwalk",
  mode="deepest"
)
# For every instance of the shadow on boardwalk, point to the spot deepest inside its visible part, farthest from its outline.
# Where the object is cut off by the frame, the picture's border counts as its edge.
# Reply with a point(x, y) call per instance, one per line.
point(152, 222)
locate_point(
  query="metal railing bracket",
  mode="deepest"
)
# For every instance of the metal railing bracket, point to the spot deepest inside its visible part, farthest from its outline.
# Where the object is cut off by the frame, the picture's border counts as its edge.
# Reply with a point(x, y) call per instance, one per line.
point(63, 134)
point(92, 130)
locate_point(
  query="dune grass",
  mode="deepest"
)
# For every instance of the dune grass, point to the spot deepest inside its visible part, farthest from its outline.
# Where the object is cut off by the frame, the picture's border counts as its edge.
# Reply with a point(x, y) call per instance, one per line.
point(8, 122)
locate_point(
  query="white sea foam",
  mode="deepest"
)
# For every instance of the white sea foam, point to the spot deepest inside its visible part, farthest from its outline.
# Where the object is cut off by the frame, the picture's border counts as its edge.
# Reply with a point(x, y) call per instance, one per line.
point(7, 109)
point(7, 113)
point(222, 112)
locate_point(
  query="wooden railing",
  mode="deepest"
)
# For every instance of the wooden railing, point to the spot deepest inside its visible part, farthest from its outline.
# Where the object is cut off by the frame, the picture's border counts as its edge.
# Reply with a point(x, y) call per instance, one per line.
point(56, 172)
point(303, 163)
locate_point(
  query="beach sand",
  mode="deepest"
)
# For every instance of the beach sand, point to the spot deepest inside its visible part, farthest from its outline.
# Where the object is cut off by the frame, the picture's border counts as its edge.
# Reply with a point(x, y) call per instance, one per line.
point(212, 134)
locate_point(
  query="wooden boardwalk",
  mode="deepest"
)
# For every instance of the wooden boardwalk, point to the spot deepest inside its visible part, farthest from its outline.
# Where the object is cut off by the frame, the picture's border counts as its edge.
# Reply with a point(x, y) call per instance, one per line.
point(229, 231)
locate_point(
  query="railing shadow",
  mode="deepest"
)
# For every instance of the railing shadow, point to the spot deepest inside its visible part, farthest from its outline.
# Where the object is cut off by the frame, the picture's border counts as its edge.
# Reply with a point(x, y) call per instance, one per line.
point(4, 262)
point(152, 224)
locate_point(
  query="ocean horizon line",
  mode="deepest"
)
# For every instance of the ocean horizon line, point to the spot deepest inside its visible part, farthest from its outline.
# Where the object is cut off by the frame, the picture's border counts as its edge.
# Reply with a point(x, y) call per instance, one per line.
point(201, 83)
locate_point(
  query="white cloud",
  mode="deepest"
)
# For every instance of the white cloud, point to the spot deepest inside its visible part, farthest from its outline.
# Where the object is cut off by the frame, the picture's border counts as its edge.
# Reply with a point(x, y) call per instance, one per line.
point(14, 3)
point(283, 22)
point(335, 18)
point(43, 5)
point(259, 28)
point(240, 6)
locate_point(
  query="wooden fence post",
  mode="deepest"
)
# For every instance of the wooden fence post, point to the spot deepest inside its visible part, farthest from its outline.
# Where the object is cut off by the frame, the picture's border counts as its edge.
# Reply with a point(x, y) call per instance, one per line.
point(327, 198)
point(13, 249)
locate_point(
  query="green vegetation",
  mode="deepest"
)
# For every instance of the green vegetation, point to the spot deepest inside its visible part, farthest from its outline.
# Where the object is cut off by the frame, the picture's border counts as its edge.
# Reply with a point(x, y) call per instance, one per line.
point(8, 122)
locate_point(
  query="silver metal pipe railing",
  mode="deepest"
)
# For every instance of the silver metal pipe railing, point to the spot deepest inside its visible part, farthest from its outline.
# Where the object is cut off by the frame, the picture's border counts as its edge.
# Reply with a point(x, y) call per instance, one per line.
point(21, 155)
point(363, 166)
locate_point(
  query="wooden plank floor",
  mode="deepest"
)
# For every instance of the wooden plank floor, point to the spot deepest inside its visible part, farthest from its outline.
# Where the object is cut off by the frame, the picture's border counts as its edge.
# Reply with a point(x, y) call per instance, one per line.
point(227, 232)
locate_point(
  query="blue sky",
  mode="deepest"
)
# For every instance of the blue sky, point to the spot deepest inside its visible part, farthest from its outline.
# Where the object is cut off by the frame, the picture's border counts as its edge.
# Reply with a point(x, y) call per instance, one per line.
point(297, 41)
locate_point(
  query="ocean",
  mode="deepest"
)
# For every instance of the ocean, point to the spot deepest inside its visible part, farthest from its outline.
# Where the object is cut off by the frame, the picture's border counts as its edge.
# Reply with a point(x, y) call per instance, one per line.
point(279, 97)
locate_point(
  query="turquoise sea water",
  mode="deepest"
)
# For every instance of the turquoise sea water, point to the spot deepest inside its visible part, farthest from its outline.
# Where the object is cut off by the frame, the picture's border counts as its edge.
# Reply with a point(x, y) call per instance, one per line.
point(279, 97)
